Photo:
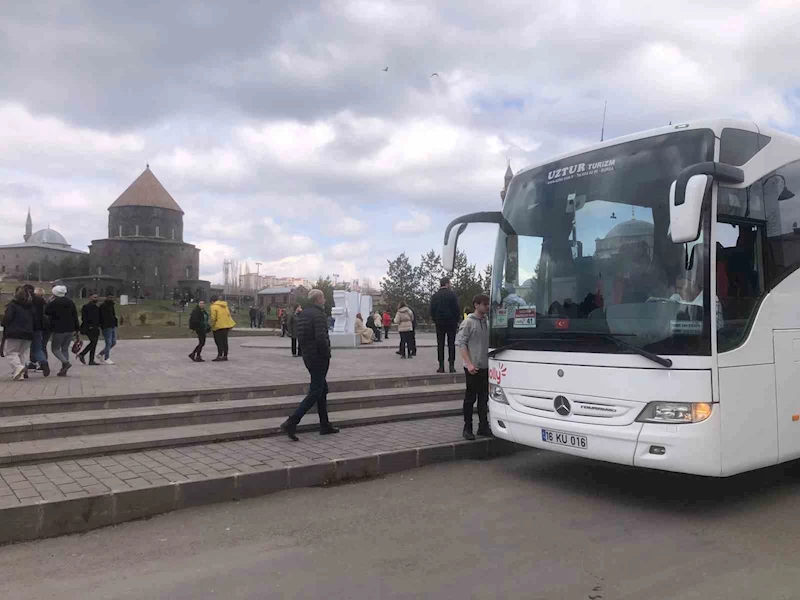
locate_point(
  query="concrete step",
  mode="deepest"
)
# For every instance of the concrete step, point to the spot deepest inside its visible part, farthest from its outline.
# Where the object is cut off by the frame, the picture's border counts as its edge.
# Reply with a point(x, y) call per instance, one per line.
point(64, 448)
point(92, 422)
point(22, 407)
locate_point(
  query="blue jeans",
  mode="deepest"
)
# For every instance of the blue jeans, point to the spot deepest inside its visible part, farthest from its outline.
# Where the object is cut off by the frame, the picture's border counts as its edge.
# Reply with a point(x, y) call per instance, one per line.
point(38, 353)
point(110, 337)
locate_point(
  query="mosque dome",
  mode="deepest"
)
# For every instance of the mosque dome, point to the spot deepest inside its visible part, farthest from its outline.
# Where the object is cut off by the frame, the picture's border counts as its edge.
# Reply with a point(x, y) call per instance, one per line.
point(48, 236)
point(632, 228)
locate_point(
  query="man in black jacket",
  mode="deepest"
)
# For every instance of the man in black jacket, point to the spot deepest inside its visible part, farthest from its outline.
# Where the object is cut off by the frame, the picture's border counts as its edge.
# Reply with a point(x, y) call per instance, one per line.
point(63, 324)
point(108, 325)
point(445, 313)
point(90, 327)
point(312, 333)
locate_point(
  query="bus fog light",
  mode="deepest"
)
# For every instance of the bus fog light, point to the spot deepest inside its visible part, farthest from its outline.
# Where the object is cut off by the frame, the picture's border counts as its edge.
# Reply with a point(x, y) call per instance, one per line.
point(675, 412)
point(496, 393)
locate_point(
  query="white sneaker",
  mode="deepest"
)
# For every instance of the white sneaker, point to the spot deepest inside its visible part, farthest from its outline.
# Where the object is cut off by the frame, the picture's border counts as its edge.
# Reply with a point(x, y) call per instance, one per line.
point(99, 360)
point(108, 361)
point(19, 372)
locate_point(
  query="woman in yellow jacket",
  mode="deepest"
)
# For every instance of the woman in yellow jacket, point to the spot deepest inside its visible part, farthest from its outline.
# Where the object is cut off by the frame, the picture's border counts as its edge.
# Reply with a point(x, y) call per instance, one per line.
point(221, 323)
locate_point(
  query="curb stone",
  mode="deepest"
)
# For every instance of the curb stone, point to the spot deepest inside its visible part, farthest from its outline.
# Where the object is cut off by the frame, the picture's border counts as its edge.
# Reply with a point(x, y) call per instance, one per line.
point(53, 518)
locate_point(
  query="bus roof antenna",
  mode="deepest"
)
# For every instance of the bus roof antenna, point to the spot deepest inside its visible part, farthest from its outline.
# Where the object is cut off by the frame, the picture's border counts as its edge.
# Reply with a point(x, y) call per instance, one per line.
point(603, 130)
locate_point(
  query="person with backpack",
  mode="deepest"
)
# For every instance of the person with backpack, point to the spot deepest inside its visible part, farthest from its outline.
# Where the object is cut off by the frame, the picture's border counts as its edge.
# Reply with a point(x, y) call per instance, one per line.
point(199, 322)
point(18, 331)
point(64, 326)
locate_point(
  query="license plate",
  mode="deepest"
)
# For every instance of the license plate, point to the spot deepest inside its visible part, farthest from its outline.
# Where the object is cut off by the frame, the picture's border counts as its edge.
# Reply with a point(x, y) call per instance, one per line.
point(565, 439)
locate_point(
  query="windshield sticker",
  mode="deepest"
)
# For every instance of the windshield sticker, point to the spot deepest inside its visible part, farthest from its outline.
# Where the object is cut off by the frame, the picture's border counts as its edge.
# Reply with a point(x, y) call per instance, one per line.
point(525, 317)
point(580, 170)
point(686, 327)
point(500, 318)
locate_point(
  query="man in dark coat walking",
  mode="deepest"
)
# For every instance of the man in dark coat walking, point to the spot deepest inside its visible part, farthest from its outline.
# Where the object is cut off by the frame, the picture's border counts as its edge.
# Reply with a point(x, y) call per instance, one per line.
point(90, 327)
point(312, 334)
point(63, 325)
point(445, 313)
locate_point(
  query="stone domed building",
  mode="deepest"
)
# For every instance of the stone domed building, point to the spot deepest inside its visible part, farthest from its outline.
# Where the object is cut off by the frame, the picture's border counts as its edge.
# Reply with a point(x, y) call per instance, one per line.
point(43, 246)
point(144, 249)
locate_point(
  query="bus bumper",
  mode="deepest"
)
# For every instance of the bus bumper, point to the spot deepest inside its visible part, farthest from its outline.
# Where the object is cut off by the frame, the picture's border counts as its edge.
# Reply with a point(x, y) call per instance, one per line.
point(687, 448)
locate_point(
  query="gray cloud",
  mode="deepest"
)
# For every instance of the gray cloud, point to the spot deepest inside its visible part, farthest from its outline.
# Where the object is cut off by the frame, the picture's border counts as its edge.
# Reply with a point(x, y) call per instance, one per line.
point(282, 110)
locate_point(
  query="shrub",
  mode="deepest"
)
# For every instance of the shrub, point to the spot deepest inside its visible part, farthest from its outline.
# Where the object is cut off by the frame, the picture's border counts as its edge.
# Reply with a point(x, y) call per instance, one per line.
point(143, 318)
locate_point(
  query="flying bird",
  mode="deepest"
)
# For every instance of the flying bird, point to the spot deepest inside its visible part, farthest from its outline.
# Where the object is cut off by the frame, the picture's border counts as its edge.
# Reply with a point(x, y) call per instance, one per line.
point(386, 69)
point(435, 75)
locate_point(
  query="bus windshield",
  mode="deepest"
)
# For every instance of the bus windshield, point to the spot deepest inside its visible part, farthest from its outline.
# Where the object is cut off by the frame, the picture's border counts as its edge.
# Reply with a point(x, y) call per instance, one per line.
point(591, 258)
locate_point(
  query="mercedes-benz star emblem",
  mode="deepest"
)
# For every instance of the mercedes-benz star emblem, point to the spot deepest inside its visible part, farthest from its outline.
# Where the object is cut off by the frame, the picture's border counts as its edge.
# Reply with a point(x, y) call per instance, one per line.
point(561, 404)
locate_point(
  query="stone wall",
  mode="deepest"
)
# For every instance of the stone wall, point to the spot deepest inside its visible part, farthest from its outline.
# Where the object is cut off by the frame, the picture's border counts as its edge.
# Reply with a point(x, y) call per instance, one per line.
point(157, 265)
point(14, 261)
point(147, 218)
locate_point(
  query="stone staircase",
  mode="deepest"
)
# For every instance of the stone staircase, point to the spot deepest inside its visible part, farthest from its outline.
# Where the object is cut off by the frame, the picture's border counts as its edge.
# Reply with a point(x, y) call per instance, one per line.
point(61, 428)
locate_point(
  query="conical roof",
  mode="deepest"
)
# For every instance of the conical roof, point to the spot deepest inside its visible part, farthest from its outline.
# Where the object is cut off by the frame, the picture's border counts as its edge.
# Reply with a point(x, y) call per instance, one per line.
point(147, 191)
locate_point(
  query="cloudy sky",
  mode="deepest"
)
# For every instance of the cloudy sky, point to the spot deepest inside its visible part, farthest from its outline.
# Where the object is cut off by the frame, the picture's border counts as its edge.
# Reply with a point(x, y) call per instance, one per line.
point(275, 127)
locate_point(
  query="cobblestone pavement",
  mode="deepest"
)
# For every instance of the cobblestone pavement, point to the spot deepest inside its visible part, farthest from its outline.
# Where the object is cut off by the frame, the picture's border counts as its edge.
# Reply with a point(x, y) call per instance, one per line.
point(81, 477)
point(163, 365)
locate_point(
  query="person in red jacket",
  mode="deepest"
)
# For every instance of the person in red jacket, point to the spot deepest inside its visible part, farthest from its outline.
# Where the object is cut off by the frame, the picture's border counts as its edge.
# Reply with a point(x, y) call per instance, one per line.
point(387, 323)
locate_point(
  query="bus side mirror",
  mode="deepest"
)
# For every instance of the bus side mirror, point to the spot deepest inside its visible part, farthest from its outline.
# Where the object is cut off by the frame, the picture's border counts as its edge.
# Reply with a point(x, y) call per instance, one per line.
point(687, 193)
point(450, 245)
point(684, 212)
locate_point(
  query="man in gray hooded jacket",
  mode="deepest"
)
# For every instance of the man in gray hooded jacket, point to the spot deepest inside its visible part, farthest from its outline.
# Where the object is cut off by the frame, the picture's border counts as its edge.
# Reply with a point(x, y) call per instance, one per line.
point(473, 344)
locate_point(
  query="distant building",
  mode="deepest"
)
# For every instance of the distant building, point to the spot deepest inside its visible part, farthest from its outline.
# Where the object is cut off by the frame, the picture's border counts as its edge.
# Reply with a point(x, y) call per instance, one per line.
point(145, 250)
point(43, 245)
point(281, 296)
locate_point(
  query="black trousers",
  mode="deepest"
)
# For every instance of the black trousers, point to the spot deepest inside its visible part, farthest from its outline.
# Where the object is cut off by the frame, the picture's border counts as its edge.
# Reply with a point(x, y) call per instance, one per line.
point(201, 341)
point(221, 340)
point(93, 333)
point(477, 389)
point(446, 330)
point(317, 391)
point(407, 342)
point(386, 331)
point(297, 350)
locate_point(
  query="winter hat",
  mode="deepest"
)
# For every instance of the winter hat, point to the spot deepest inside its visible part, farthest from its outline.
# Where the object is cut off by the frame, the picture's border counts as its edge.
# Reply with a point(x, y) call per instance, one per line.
point(59, 291)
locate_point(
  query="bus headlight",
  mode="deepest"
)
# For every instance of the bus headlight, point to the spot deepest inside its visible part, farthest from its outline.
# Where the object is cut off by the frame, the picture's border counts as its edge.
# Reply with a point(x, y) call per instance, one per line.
point(496, 393)
point(675, 412)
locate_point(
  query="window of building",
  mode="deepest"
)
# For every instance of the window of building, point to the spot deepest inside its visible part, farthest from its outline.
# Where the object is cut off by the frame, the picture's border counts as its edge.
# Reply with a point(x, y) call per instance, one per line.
point(188, 272)
point(156, 271)
point(137, 230)
point(120, 231)
point(16, 268)
point(99, 270)
point(158, 233)
point(173, 234)
point(4, 269)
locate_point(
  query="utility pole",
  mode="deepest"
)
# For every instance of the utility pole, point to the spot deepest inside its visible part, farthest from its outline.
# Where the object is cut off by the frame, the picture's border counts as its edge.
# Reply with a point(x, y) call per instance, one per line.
point(258, 277)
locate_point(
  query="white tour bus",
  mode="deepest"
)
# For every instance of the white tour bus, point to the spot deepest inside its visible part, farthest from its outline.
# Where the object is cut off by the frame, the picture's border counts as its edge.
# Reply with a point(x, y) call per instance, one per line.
point(645, 302)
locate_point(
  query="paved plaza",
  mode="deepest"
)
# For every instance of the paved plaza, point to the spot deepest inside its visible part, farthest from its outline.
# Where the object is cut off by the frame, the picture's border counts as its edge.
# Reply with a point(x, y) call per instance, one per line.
point(163, 365)
point(66, 479)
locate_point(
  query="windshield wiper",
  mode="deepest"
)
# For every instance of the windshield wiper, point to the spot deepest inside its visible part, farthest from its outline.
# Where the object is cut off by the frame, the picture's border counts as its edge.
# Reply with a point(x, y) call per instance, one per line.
point(664, 362)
